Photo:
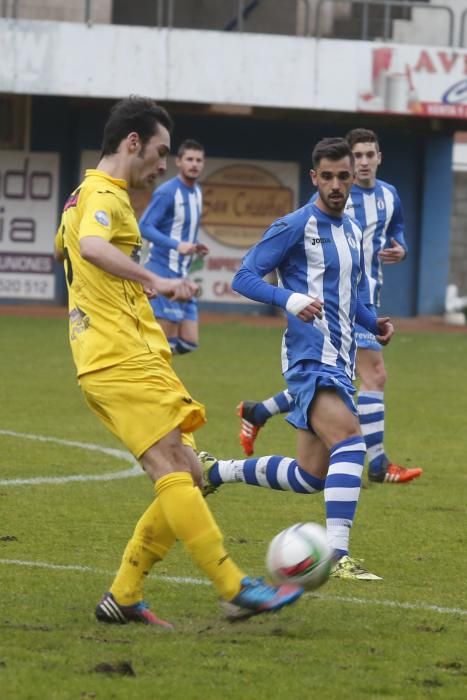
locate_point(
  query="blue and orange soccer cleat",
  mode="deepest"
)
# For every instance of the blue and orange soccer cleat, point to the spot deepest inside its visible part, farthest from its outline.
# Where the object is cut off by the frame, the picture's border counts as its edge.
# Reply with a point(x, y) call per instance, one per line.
point(111, 612)
point(256, 597)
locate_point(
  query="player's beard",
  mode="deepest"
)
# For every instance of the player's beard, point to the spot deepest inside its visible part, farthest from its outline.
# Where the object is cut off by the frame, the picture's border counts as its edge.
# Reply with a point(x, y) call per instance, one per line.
point(335, 205)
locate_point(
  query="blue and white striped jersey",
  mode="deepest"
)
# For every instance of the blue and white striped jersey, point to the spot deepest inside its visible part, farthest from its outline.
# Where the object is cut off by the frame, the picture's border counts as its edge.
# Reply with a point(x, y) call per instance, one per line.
point(318, 255)
point(378, 211)
point(173, 215)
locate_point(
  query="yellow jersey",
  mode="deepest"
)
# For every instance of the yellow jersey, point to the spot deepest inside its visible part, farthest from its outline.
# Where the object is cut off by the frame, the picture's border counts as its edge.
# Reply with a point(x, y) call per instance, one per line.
point(111, 319)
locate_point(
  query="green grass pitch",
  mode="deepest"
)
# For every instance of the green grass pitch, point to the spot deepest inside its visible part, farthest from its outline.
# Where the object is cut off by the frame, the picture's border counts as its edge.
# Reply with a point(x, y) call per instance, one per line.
point(400, 638)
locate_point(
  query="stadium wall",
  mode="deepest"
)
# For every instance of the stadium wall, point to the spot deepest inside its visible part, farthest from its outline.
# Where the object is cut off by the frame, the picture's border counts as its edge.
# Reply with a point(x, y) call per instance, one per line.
point(69, 126)
point(298, 90)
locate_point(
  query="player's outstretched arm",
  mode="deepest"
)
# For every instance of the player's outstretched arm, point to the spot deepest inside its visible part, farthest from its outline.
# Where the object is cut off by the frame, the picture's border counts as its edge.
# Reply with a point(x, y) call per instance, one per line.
point(177, 289)
point(107, 257)
point(252, 286)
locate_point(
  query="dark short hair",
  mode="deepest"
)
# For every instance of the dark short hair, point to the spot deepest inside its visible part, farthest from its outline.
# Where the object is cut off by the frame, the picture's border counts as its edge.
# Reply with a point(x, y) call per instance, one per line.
point(332, 149)
point(140, 114)
point(189, 145)
point(361, 136)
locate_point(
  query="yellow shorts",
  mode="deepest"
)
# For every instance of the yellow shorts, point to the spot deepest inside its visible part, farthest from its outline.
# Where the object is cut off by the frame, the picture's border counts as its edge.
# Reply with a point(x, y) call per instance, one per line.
point(141, 400)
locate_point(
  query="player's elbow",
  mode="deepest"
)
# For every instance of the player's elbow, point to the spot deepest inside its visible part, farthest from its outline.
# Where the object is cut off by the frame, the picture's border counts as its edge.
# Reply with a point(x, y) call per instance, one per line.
point(236, 284)
point(242, 280)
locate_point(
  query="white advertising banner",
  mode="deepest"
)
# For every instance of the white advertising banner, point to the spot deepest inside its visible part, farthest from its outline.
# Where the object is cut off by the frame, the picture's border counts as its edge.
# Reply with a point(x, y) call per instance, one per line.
point(28, 221)
point(423, 81)
point(241, 198)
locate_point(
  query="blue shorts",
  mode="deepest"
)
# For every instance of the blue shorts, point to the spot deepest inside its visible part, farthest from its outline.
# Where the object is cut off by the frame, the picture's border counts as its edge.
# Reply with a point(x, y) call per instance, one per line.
point(365, 339)
point(175, 311)
point(308, 377)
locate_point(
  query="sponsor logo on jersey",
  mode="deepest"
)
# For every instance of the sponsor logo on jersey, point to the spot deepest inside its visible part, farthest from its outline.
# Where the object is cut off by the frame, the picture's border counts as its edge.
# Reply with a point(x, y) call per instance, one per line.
point(102, 217)
point(318, 241)
point(79, 322)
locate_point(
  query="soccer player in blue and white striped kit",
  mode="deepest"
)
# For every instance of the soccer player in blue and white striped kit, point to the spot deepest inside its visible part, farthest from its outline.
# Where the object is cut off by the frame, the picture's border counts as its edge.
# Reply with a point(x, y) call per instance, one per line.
point(376, 206)
point(171, 223)
point(318, 256)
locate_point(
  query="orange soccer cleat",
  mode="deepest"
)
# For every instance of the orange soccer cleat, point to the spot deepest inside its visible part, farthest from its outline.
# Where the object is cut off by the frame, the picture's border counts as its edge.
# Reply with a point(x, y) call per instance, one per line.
point(248, 428)
point(395, 474)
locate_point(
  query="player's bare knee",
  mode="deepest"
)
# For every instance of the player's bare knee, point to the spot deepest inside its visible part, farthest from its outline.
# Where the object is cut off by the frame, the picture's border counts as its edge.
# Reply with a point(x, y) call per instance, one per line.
point(166, 456)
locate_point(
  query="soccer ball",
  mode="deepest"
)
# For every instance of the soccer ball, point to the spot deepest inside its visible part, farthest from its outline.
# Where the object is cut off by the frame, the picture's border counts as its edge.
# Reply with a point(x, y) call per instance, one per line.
point(301, 555)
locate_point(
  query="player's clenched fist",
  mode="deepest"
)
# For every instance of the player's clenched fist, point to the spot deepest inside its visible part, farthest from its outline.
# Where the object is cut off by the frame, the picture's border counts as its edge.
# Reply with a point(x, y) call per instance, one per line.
point(177, 288)
point(304, 307)
point(184, 289)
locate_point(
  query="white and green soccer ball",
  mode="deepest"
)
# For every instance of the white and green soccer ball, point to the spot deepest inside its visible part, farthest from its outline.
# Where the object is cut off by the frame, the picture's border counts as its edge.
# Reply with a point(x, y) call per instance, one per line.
point(300, 555)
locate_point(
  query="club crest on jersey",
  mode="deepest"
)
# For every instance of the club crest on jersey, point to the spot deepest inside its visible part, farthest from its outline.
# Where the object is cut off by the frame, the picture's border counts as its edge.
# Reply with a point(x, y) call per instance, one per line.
point(351, 241)
point(380, 204)
point(102, 218)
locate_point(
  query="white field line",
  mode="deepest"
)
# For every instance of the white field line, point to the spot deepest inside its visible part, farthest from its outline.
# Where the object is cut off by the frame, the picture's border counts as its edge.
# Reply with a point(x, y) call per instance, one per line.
point(352, 600)
point(90, 569)
point(135, 469)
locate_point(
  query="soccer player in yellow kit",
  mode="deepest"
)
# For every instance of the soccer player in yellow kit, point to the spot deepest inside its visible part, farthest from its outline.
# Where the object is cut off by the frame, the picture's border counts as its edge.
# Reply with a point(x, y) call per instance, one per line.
point(124, 369)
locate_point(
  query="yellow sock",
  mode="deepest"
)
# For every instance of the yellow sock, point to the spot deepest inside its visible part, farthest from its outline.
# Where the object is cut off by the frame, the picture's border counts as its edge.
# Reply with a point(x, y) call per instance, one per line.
point(150, 542)
point(191, 521)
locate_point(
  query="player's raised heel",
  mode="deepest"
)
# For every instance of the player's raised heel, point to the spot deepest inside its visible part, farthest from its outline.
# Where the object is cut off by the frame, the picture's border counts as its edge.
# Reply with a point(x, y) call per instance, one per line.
point(109, 611)
point(249, 428)
point(207, 462)
point(256, 597)
point(350, 568)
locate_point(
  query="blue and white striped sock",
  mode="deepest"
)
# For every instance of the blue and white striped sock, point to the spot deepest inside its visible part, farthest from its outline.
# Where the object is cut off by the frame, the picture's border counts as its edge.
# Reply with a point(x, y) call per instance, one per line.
point(371, 415)
point(183, 346)
point(280, 403)
point(342, 490)
point(273, 472)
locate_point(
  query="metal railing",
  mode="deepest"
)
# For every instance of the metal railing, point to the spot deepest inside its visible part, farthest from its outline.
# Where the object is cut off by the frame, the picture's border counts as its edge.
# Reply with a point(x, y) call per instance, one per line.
point(386, 5)
point(165, 14)
point(10, 9)
point(462, 29)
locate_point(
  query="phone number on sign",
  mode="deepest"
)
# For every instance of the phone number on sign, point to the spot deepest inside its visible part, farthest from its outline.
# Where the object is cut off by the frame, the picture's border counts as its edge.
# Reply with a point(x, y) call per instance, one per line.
point(27, 287)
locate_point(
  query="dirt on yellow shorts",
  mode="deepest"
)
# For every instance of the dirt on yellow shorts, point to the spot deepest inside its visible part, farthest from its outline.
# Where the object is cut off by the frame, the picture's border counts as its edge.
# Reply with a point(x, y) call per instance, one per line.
point(141, 400)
